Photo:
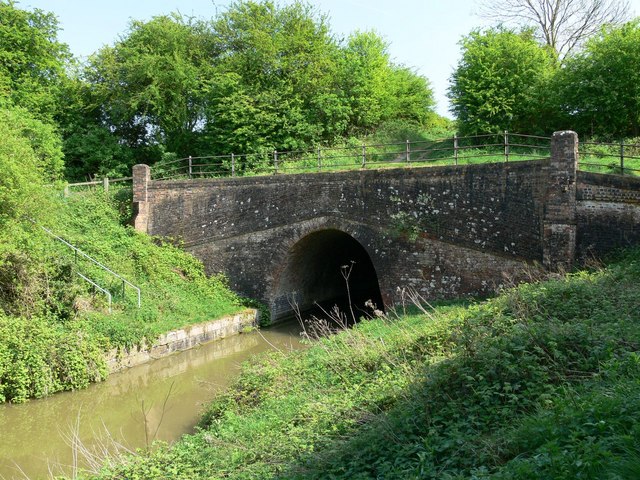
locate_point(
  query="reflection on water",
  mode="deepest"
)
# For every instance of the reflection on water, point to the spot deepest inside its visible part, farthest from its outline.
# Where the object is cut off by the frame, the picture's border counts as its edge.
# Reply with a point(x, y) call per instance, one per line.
point(35, 436)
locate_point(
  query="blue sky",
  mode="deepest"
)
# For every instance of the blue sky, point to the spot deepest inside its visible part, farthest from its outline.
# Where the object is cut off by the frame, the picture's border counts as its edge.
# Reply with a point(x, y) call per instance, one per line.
point(423, 34)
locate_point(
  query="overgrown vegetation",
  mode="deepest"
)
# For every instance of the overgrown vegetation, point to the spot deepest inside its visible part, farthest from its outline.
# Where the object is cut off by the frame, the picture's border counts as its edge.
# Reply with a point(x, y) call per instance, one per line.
point(175, 289)
point(540, 382)
point(40, 356)
point(55, 328)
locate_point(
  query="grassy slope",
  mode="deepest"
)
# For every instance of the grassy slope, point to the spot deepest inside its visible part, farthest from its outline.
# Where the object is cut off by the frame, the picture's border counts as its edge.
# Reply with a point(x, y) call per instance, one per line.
point(541, 382)
point(54, 330)
point(175, 290)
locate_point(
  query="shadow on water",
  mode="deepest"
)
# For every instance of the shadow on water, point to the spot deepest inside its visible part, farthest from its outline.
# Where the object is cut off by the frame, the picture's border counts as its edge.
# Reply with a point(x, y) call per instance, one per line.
point(35, 436)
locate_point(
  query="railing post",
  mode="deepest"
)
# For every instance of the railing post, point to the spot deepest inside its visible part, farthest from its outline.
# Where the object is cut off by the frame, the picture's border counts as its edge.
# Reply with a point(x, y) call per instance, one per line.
point(275, 161)
point(364, 156)
point(190, 166)
point(319, 159)
point(233, 165)
point(408, 151)
point(506, 146)
point(621, 157)
point(105, 184)
point(455, 148)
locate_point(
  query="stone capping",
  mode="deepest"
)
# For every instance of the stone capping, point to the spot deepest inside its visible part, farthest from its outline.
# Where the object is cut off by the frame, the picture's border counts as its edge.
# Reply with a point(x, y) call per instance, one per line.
point(182, 339)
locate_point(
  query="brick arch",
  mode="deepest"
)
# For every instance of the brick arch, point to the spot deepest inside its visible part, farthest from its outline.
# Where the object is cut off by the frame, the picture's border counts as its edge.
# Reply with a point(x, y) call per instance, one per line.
point(309, 271)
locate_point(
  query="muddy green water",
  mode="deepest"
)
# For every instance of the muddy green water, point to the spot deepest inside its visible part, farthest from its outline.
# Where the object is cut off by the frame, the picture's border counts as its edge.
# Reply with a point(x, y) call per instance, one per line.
point(36, 438)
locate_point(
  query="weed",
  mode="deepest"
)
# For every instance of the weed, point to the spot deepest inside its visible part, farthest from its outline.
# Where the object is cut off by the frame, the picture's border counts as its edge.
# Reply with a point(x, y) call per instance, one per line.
point(540, 382)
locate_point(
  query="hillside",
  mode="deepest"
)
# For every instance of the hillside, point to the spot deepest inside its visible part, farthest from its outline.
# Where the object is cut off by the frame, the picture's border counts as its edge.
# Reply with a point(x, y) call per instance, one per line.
point(540, 382)
point(55, 327)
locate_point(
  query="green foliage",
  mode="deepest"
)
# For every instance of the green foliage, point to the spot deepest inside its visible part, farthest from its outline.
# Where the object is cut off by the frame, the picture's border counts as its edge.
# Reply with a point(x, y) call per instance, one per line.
point(151, 85)
point(54, 330)
point(600, 89)
point(500, 83)
point(37, 142)
point(378, 91)
point(256, 78)
point(39, 357)
point(175, 289)
point(280, 70)
point(90, 147)
point(31, 60)
point(30, 155)
point(541, 382)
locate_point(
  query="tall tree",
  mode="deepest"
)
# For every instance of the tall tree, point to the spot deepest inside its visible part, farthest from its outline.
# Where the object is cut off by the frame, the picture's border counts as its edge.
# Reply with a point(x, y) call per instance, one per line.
point(499, 82)
point(562, 25)
point(152, 84)
point(278, 73)
point(376, 89)
point(258, 76)
point(366, 72)
point(600, 87)
point(32, 61)
point(91, 147)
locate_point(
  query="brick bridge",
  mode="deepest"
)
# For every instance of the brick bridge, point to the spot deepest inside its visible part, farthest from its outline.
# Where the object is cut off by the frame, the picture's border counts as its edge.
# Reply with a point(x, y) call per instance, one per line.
point(443, 231)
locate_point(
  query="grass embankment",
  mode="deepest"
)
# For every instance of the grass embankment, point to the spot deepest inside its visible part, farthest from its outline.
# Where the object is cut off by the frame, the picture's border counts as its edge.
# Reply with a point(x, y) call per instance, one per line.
point(54, 329)
point(541, 382)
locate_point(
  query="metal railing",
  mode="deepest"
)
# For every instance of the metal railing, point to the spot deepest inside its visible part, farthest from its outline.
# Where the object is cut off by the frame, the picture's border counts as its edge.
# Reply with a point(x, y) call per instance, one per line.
point(78, 252)
point(454, 150)
point(95, 285)
point(621, 158)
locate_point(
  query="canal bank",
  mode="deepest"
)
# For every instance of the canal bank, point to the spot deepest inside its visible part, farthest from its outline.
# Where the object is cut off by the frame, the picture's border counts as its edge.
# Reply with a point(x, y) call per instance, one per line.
point(182, 339)
point(158, 400)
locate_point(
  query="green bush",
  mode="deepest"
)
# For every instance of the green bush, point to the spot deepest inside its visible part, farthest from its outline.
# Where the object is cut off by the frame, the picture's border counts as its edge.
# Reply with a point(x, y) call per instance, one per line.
point(39, 357)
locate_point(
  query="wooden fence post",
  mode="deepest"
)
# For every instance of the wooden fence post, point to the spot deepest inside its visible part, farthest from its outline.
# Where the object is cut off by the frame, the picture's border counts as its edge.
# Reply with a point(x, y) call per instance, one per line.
point(506, 146)
point(455, 148)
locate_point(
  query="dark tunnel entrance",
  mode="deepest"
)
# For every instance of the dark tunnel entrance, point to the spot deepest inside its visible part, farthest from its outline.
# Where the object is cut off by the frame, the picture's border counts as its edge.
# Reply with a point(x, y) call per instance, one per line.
point(313, 275)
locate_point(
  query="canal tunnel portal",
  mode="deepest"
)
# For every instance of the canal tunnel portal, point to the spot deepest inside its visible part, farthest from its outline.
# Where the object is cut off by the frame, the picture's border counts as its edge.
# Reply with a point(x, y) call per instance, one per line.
point(324, 269)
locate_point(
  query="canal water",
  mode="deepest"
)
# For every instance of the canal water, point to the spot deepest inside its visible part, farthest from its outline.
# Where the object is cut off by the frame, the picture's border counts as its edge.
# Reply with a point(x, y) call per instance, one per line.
point(161, 400)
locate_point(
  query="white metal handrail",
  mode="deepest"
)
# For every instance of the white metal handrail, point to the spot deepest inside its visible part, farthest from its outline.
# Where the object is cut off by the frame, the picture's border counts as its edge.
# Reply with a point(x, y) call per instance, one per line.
point(103, 290)
point(95, 262)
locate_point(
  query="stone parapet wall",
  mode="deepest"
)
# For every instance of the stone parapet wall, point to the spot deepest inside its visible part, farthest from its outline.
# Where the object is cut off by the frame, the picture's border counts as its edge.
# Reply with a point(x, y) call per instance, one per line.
point(608, 213)
point(245, 227)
